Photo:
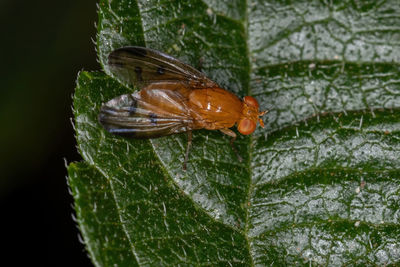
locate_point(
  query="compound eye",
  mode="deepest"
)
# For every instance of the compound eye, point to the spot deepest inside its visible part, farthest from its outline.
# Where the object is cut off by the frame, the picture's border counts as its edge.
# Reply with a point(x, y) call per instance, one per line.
point(251, 101)
point(246, 126)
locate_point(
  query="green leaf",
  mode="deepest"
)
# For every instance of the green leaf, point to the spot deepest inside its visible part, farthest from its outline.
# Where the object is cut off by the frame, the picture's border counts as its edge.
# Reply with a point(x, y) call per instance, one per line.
point(319, 185)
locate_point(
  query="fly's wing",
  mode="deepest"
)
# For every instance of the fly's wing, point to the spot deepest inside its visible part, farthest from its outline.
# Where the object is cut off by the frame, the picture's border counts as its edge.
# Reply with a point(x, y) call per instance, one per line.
point(140, 66)
point(146, 114)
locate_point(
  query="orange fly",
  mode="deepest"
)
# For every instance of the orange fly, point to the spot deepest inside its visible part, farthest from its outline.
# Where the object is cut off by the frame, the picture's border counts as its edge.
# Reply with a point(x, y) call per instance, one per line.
point(173, 98)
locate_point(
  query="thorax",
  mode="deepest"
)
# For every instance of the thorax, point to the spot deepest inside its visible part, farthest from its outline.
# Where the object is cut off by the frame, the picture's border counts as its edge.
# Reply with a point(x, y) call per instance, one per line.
point(214, 108)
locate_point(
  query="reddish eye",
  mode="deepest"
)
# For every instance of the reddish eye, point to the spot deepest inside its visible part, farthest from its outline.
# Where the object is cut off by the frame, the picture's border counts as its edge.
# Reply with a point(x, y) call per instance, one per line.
point(251, 101)
point(246, 126)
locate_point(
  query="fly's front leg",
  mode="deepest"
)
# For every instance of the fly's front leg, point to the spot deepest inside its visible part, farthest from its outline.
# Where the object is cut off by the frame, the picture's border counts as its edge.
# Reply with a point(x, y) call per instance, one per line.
point(233, 135)
point(189, 144)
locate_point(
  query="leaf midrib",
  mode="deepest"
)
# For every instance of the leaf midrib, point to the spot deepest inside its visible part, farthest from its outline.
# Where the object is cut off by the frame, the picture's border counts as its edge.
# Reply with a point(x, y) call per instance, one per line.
point(249, 146)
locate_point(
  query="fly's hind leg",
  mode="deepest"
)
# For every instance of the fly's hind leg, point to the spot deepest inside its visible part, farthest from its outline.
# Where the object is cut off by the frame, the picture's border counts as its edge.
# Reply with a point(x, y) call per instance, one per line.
point(189, 144)
point(200, 64)
point(233, 135)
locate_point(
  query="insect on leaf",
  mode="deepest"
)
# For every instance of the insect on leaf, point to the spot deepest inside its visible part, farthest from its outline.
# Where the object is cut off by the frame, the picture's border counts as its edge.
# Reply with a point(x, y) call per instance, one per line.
point(319, 185)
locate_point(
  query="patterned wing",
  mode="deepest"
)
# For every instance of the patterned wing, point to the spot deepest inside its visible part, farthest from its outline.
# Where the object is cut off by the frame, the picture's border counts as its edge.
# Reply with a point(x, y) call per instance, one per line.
point(140, 66)
point(149, 113)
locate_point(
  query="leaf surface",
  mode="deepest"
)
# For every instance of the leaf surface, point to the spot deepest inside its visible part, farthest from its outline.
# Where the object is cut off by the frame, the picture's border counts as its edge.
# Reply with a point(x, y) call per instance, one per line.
point(320, 184)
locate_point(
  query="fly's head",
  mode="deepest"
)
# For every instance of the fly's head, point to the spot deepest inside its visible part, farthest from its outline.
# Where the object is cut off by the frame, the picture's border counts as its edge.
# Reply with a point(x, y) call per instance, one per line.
point(250, 116)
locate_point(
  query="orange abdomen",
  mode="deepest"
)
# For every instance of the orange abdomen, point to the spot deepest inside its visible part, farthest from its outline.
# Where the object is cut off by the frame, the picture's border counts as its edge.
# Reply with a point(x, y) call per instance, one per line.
point(165, 99)
point(214, 108)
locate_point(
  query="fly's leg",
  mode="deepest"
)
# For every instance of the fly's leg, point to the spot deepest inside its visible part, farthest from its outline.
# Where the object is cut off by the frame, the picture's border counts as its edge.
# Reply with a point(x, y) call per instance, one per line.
point(200, 64)
point(233, 135)
point(189, 144)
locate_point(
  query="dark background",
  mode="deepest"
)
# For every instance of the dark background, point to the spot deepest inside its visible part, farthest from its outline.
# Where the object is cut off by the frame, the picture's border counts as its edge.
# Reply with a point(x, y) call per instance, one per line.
point(44, 44)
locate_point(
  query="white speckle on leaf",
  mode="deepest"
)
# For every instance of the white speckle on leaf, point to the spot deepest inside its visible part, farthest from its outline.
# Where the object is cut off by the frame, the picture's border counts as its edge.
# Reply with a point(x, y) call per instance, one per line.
point(358, 190)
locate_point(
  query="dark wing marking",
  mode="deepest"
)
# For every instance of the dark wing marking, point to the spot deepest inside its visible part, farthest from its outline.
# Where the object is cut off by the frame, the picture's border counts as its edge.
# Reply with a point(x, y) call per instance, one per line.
point(131, 116)
point(140, 66)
